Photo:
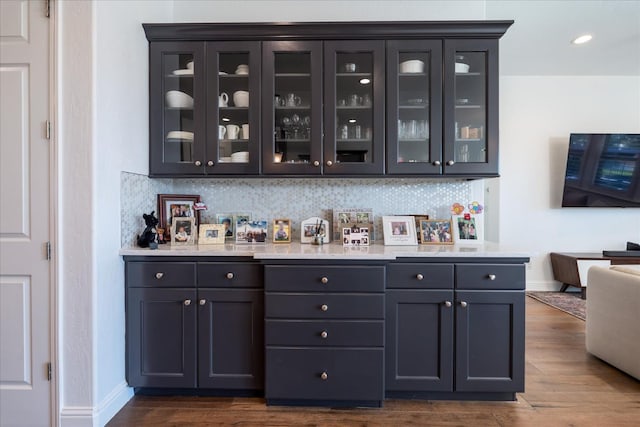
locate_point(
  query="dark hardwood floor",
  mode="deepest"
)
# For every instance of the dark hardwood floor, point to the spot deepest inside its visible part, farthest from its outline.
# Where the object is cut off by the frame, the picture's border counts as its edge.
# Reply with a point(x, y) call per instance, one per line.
point(565, 386)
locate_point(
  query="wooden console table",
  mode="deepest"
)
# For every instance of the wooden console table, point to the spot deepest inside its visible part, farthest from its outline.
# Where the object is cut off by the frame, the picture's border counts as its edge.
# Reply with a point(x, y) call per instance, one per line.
point(571, 268)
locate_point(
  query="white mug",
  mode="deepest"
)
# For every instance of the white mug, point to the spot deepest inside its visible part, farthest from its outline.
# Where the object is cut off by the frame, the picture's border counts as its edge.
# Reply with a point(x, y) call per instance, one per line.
point(245, 131)
point(232, 131)
point(221, 132)
point(241, 98)
point(223, 99)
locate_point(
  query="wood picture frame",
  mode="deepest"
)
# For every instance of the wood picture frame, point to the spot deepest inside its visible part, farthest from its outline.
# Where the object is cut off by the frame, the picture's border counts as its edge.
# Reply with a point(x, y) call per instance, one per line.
point(180, 205)
point(436, 232)
point(211, 234)
point(282, 230)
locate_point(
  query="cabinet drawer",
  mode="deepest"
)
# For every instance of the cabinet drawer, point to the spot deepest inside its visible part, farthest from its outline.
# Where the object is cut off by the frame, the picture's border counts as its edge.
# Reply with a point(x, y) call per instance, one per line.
point(232, 275)
point(321, 333)
point(324, 306)
point(324, 278)
point(490, 276)
point(161, 274)
point(351, 374)
point(420, 276)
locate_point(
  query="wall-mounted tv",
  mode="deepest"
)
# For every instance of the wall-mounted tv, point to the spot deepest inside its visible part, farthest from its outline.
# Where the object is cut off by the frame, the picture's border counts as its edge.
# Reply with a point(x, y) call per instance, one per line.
point(603, 170)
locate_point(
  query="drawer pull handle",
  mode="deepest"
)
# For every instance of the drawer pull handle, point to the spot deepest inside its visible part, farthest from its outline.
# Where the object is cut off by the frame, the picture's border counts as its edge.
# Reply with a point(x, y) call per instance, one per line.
point(230, 276)
point(324, 334)
point(463, 304)
point(324, 280)
point(324, 307)
point(447, 304)
point(492, 277)
point(159, 276)
point(203, 301)
point(187, 302)
point(324, 376)
point(419, 276)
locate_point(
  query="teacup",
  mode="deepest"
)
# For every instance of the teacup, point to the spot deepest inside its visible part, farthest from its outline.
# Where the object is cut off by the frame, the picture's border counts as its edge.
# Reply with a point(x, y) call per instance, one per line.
point(241, 98)
point(232, 131)
point(221, 132)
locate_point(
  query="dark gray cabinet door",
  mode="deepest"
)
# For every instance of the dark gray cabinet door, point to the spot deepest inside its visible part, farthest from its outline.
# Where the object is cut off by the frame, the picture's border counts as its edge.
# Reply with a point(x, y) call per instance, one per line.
point(490, 341)
point(231, 338)
point(419, 340)
point(161, 337)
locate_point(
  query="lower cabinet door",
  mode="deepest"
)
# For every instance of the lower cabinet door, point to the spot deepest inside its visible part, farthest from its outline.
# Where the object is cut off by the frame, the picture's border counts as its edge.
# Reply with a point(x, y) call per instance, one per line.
point(490, 341)
point(295, 373)
point(161, 337)
point(231, 339)
point(419, 340)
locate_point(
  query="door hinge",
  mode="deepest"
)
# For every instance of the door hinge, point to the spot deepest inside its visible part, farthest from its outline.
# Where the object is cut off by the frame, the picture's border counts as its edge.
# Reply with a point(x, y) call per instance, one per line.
point(48, 129)
point(48, 250)
point(47, 8)
point(49, 371)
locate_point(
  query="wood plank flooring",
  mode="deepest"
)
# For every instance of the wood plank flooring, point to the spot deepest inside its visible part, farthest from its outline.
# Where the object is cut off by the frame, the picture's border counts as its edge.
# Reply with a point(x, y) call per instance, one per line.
point(565, 386)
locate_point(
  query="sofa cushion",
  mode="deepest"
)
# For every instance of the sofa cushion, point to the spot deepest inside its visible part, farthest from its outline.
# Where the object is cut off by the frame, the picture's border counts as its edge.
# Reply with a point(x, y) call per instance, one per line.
point(630, 269)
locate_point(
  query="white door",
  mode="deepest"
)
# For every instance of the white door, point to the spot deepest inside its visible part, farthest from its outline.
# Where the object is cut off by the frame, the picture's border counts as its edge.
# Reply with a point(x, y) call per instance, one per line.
point(25, 391)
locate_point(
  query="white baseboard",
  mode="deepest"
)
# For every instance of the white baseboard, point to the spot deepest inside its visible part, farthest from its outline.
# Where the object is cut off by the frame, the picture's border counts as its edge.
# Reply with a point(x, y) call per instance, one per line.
point(548, 285)
point(86, 416)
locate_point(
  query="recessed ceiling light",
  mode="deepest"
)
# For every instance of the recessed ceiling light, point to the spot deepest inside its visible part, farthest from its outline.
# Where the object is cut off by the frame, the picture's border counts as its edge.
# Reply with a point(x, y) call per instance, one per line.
point(582, 39)
point(365, 81)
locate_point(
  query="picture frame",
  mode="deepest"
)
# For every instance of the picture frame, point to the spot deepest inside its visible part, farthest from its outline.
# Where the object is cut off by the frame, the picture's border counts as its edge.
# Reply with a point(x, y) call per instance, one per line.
point(468, 228)
point(418, 219)
point(348, 217)
point(436, 232)
point(248, 231)
point(180, 205)
point(282, 230)
point(211, 234)
point(399, 230)
point(308, 230)
point(229, 224)
point(183, 231)
point(355, 236)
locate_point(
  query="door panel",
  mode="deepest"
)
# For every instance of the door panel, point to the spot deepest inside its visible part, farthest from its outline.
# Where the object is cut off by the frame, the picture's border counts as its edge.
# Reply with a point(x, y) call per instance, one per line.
point(25, 392)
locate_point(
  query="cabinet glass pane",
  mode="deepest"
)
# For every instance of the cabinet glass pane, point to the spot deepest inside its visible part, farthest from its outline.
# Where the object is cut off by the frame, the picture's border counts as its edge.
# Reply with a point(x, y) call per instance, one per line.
point(178, 131)
point(470, 107)
point(292, 105)
point(354, 107)
point(413, 107)
point(233, 107)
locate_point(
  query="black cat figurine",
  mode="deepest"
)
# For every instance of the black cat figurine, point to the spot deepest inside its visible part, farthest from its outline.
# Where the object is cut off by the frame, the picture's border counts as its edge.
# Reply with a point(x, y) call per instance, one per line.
point(149, 235)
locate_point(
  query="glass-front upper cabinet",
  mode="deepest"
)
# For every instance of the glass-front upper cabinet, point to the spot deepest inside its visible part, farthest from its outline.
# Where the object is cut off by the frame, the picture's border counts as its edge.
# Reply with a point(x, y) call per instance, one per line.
point(292, 107)
point(354, 107)
point(233, 110)
point(177, 108)
point(471, 107)
point(414, 113)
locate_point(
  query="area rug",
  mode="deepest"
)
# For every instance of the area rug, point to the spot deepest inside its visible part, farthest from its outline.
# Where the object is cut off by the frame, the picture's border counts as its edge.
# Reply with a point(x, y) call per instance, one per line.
point(569, 302)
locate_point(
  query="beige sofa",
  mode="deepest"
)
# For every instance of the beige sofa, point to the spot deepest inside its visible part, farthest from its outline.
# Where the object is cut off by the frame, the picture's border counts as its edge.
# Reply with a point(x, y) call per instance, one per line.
point(613, 316)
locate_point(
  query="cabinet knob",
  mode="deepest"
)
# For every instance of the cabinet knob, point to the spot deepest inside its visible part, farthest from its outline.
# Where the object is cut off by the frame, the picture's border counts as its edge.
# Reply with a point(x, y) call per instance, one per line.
point(324, 307)
point(325, 280)
point(187, 302)
point(329, 163)
point(159, 276)
point(324, 334)
point(447, 304)
point(229, 275)
point(324, 376)
point(210, 163)
point(202, 301)
point(492, 277)
point(419, 276)
point(463, 304)
point(316, 163)
point(198, 163)
point(451, 163)
point(437, 163)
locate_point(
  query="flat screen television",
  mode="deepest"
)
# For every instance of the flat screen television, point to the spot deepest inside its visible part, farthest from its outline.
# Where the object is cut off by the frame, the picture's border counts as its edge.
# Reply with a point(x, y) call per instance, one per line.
point(603, 170)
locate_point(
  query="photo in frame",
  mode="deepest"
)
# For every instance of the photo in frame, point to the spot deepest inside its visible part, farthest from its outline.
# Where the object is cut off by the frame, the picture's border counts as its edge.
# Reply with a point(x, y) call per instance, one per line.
point(436, 232)
point(348, 217)
point(399, 230)
point(355, 236)
point(418, 219)
point(248, 231)
point(468, 228)
point(310, 226)
point(211, 234)
point(229, 224)
point(282, 230)
point(176, 205)
point(183, 231)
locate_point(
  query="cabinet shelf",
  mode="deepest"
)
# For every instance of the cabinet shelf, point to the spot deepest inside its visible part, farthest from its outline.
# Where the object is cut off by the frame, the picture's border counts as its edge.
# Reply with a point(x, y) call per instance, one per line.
point(414, 140)
point(233, 76)
point(297, 75)
point(233, 140)
point(470, 140)
point(412, 74)
point(469, 74)
point(356, 107)
point(293, 140)
point(413, 107)
point(178, 76)
point(298, 108)
point(353, 75)
point(469, 107)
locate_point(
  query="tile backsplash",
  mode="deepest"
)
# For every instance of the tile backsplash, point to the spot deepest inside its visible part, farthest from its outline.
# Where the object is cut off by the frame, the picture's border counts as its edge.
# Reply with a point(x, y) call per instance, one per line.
point(295, 198)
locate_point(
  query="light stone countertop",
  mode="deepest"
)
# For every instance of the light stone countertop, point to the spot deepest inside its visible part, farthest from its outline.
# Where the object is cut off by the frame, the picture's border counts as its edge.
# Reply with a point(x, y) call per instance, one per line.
point(335, 251)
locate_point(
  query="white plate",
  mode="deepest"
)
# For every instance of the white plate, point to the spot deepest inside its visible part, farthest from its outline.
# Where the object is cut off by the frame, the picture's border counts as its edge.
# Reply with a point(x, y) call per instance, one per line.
point(180, 134)
point(222, 73)
point(183, 72)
